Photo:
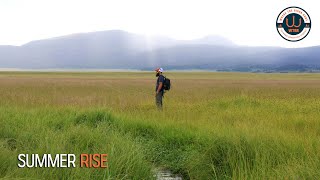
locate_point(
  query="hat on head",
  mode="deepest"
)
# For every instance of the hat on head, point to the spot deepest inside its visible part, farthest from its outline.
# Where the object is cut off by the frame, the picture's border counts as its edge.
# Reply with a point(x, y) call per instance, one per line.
point(159, 69)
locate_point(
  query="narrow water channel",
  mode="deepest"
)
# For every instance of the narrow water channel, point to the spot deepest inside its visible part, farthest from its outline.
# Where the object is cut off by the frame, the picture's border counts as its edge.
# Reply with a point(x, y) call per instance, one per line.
point(166, 175)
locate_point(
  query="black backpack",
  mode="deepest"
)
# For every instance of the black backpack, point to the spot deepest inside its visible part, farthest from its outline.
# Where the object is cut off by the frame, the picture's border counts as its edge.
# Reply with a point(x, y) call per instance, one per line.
point(166, 84)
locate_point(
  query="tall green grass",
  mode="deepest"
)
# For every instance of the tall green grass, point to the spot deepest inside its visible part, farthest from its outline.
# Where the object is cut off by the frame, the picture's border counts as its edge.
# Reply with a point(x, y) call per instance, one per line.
point(214, 125)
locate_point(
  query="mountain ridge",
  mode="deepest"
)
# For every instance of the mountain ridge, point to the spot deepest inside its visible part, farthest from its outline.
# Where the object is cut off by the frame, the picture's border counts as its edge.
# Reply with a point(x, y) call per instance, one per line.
point(117, 49)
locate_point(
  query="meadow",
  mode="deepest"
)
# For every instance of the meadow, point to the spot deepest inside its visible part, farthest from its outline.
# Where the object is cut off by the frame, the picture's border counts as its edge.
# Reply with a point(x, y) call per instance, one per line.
point(213, 126)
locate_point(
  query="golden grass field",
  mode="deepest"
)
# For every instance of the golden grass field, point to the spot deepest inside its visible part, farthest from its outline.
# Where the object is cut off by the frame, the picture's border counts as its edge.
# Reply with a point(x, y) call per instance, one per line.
point(213, 126)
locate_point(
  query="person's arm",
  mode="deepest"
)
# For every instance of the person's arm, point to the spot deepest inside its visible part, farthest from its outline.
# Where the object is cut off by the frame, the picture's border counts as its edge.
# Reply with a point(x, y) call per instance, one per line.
point(161, 80)
point(159, 87)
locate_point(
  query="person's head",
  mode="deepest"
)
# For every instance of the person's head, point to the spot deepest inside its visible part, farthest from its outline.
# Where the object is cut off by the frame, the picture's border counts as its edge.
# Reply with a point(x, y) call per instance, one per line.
point(158, 71)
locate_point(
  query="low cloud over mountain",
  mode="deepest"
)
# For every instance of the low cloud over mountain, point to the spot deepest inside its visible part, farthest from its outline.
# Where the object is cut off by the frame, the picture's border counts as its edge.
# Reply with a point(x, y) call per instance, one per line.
point(119, 49)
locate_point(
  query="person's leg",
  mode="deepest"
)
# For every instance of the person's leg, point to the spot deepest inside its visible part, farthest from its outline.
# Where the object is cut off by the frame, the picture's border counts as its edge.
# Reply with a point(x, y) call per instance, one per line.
point(159, 100)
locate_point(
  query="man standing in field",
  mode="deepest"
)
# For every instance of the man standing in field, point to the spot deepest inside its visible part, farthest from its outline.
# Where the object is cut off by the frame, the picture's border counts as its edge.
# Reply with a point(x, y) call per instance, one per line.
point(159, 87)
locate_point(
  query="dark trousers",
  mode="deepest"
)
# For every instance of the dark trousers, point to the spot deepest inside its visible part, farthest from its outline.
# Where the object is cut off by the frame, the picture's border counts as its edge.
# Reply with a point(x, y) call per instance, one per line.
point(159, 97)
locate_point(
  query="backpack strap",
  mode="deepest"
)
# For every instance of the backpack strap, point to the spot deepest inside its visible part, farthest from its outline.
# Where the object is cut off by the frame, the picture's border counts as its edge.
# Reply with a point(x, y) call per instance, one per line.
point(163, 77)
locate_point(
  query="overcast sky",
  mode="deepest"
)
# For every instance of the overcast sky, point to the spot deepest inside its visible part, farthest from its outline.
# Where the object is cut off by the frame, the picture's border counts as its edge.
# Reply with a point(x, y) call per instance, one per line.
point(246, 22)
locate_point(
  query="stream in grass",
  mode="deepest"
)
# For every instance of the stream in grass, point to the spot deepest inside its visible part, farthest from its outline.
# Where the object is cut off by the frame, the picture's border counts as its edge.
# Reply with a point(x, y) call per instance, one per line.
point(161, 174)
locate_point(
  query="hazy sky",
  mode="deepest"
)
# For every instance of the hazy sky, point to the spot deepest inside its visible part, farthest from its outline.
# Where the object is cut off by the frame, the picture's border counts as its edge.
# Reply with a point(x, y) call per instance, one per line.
point(246, 22)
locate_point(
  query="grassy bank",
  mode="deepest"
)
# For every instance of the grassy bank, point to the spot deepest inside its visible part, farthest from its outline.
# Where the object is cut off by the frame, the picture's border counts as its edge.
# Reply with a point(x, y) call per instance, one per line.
point(214, 125)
